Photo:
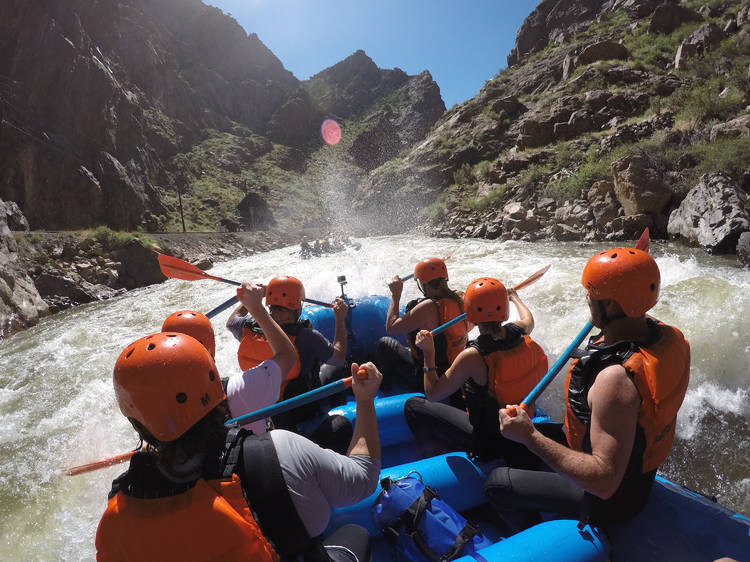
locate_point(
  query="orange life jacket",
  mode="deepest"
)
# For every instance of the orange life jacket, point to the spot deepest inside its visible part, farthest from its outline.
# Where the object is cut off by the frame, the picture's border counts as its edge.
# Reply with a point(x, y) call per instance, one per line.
point(514, 366)
point(448, 344)
point(254, 349)
point(661, 374)
point(457, 335)
point(209, 521)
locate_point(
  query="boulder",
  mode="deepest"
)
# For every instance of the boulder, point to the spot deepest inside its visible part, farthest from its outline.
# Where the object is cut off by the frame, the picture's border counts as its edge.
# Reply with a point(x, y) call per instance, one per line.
point(639, 185)
point(630, 227)
point(733, 128)
point(602, 50)
point(14, 218)
point(138, 265)
point(639, 9)
point(702, 39)
point(21, 305)
point(603, 204)
point(743, 249)
point(668, 16)
point(712, 215)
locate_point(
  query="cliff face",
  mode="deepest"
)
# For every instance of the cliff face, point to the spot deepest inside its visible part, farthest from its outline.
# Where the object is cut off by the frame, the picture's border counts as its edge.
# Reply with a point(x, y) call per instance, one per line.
point(613, 116)
point(110, 107)
point(99, 96)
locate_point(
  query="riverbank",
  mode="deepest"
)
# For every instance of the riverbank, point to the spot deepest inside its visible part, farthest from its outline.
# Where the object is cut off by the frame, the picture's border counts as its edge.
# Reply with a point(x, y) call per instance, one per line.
point(46, 272)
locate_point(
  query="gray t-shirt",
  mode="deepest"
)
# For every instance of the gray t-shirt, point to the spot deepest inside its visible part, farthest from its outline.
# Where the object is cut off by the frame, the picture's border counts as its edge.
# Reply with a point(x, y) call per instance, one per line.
point(320, 479)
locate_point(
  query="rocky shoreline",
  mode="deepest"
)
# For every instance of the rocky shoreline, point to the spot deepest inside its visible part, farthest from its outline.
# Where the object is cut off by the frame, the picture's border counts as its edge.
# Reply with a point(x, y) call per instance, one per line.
point(45, 272)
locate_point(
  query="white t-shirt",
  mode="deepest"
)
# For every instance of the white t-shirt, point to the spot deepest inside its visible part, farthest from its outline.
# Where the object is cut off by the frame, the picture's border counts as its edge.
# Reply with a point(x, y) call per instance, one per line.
point(252, 390)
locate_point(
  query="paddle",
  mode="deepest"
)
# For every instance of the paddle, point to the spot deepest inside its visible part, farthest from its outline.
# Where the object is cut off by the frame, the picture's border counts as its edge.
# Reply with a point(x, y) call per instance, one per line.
point(531, 279)
point(96, 465)
point(272, 410)
point(546, 379)
point(642, 244)
point(179, 269)
point(292, 403)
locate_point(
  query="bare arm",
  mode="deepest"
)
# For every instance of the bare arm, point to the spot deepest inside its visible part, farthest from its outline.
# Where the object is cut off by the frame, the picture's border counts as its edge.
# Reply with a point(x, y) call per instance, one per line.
point(424, 316)
point(469, 362)
point(285, 354)
point(614, 403)
point(526, 319)
point(240, 311)
point(339, 336)
point(365, 440)
point(396, 286)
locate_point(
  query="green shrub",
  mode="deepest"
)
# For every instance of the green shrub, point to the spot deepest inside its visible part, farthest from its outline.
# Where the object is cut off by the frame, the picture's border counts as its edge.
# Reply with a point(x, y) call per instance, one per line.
point(488, 200)
point(701, 102)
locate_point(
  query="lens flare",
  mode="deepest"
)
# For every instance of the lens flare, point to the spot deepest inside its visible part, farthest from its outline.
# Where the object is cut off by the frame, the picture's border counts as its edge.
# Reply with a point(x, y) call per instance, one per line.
point(330, 130)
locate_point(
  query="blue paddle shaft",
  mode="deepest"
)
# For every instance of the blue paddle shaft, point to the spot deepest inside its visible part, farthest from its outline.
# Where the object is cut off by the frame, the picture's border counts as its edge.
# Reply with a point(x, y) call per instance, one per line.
point(546, 379)
point(407, 277)
point(448, 324)
point(286, 405)
point(226, 304)
point(222, 307)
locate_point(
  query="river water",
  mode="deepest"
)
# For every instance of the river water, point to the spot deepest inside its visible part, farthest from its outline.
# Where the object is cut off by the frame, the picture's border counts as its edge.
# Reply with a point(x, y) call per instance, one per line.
point(57, 407)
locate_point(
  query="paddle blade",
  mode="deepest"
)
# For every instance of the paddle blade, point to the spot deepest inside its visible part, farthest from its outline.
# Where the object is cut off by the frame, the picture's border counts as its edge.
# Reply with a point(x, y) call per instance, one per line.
point(96, 465)
point(179, 269)
point(532, 278)
point(643, 241)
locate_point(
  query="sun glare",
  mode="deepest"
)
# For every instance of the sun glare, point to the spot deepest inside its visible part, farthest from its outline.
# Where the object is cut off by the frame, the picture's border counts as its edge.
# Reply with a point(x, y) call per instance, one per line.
point(330, 130)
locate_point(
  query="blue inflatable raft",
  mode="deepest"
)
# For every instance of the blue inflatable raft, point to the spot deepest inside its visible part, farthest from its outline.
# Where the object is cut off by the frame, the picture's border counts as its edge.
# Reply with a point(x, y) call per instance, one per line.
point(677, 524)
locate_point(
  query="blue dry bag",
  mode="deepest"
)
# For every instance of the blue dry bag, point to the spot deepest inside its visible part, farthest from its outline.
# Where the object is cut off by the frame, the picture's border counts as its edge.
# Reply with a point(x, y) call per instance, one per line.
point(421, 525)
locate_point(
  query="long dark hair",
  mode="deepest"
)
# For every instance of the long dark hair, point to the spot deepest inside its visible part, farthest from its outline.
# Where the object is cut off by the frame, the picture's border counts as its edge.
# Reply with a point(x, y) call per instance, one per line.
point(207, 435)
point(440, 286)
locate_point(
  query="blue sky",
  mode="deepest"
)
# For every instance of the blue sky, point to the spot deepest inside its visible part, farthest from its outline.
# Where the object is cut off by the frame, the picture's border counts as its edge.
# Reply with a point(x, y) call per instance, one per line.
point(463, 43)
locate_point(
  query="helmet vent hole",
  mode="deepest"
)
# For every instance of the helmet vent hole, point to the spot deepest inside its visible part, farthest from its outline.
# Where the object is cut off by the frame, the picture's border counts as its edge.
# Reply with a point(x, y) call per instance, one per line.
point(283, 294)
point(129, 353)
point(497, 308)
point(479, 308)
point(181, 397)
point(632, 252)
point(211, 376)
point(613, 256)
point(653, 287)
point(150, 346)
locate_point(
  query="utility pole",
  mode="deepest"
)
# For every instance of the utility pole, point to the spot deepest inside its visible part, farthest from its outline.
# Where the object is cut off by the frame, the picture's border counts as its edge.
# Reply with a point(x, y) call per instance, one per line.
point(179, 199)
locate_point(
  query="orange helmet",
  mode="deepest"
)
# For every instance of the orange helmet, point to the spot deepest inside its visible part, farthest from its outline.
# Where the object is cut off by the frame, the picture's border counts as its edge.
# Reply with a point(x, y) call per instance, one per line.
point(285, 291)
point(168, 382)
point(486, 300)
point(628, 276)
point(429, 269)
point(192, 323)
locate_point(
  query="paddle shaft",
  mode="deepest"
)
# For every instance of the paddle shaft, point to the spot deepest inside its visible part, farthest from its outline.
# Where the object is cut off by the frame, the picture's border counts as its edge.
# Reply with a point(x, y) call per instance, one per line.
point(281, 407)
point(103, 463)
point(546, 379)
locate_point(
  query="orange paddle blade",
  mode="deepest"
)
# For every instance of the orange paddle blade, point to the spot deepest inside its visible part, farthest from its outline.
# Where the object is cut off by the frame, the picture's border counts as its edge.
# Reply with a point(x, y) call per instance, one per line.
point(643, 241)
point(532, 278)
point(179, 269)
point(103, 463)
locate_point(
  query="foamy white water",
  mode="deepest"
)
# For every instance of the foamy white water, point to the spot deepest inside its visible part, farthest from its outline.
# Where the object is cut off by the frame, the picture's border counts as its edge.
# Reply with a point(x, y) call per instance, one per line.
point(57, 407)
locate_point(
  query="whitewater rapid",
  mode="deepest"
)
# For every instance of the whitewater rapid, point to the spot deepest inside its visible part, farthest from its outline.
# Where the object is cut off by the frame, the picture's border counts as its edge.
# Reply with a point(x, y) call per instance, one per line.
point(57, 406)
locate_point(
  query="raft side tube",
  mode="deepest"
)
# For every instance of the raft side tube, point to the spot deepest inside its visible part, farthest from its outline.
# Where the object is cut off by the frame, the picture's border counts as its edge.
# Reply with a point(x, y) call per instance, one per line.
point(365, 324)
point(458, 480)
point(680, 524)
point(560, 539)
